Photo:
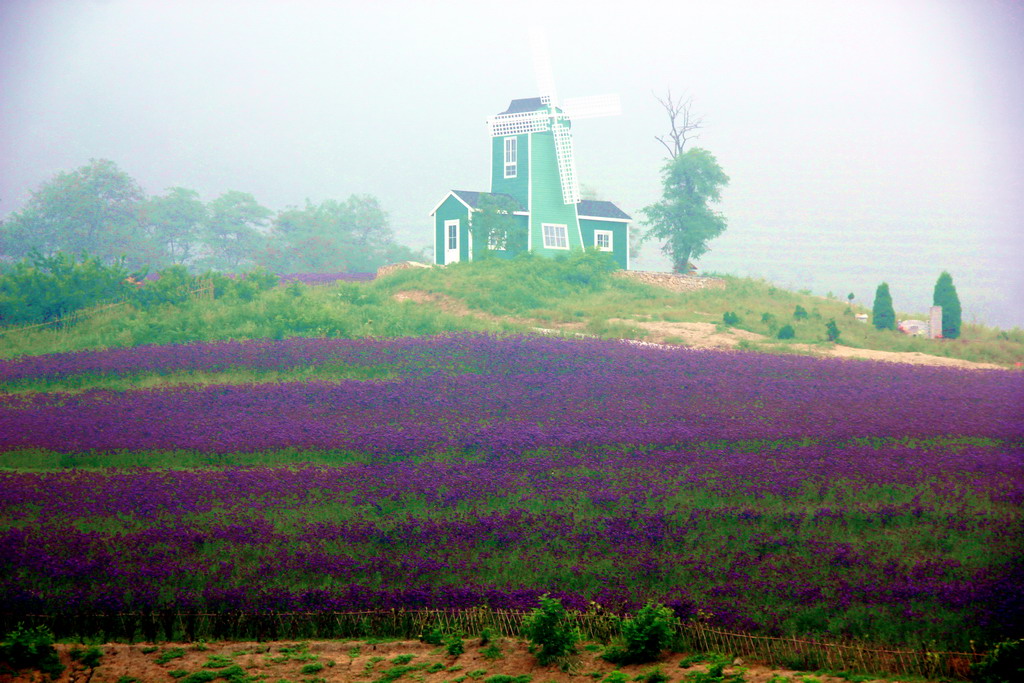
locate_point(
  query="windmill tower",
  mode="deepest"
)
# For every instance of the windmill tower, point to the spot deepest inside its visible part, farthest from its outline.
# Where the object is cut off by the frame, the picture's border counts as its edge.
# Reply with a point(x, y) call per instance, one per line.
point(532, 162)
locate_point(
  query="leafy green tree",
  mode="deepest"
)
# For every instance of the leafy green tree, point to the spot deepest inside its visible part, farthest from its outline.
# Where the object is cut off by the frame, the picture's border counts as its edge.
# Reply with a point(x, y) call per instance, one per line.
point(92, 209)
point(683, 218)
point(174, 222)
point(883, 316)
point(945, 295)
point(493, 223)
point(234, 234)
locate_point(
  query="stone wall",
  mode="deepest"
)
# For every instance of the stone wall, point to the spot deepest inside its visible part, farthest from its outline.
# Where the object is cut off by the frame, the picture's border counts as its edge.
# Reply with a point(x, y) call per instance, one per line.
point(673, 281)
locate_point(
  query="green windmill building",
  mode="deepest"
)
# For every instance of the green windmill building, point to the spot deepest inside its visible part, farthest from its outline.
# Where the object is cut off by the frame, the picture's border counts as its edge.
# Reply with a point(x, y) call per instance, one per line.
point(533, 169)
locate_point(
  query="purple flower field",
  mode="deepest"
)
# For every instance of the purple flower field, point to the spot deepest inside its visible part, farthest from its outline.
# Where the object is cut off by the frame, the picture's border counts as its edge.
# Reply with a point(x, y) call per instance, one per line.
point(780, 494)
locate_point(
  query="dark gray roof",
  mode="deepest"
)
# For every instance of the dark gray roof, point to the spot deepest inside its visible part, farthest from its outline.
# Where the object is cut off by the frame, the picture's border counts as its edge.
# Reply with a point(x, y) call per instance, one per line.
point(473, 198)
point(600, 209)
point(587, 208)
point(525, 104)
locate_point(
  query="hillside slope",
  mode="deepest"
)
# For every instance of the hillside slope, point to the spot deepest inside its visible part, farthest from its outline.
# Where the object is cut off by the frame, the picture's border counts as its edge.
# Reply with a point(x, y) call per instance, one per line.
point(578, 295)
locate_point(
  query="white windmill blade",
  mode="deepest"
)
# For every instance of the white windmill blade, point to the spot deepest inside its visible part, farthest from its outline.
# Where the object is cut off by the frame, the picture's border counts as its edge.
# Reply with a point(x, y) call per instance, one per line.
point(542, 66)
point(519, 123)
point(566, 163)
point(592, 107)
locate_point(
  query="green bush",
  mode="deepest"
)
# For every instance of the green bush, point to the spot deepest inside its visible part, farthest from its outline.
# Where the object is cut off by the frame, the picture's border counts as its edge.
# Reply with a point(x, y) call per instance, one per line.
point(432, 637)
point(30, 648)
point(730, 318)
point(832, 330)
point(786, 332)
point(548, 631)
point(1004, 664)
point(799, 313)
point(454, 646)
point(89, 658)
point(644, 636)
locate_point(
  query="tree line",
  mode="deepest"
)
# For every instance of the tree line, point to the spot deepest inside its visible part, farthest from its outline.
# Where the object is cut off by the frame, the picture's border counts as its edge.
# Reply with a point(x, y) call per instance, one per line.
point(100, 210)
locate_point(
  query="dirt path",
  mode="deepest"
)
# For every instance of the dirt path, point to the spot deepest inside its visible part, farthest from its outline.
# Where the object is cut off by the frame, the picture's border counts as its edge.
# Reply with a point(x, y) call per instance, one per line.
point(366, 662)
point(698, 335)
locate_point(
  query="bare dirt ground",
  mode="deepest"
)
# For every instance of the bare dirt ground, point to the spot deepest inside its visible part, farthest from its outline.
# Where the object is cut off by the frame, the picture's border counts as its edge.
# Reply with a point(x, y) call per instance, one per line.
point(698, 335)
point(368, 662)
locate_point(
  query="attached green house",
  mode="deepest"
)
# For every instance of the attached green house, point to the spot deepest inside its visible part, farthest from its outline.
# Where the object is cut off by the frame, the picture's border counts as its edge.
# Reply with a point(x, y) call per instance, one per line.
point(532, 169)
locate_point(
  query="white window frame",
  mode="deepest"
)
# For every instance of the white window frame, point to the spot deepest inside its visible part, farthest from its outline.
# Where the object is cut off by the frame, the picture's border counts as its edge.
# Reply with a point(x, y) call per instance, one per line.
point(511, 157)
point(556, 235)
point(598, 234)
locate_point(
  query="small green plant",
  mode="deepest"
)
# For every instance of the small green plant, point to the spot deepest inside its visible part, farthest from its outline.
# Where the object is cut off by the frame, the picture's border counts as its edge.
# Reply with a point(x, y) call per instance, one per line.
point(89, 658)
point(1005, 662)
point(201, 646)
point(486, 635)
point(615, 677)
point(505, 678)
point(492, 652)
point(177, 673)
point(168, 655)
point(477, 673)
point(432, 637)
point(716, 674)
point(454, 646)
point(550, 635)
point(705, 657)
point(799, 313)
point(654, 675)
point(730, 318)
point(354, 651)
point(402, 659)
point(786, 332)
point(311, 668)
point(149, 649)
point(31, 648)
point(217, 662)
point(128, 679)
point(435, 667)
point(810, 679)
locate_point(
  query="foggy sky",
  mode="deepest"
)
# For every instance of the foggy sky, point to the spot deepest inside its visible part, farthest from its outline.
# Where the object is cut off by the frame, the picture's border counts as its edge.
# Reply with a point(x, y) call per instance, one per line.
point(866, 141)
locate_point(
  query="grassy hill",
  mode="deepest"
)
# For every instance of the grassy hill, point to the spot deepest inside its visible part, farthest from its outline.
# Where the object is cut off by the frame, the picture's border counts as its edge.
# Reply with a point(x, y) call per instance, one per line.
point(577, 295)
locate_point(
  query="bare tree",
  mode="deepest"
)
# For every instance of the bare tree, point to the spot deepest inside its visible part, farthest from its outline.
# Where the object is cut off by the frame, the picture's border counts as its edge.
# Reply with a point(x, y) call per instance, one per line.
point(684, 123)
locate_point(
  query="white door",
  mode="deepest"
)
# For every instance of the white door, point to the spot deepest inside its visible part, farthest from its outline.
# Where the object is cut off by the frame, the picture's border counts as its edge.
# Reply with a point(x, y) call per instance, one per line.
point(451, 241)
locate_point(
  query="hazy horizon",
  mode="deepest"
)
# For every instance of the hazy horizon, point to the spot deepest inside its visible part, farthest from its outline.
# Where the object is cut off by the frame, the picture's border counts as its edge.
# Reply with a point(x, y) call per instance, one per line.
point(865, 141)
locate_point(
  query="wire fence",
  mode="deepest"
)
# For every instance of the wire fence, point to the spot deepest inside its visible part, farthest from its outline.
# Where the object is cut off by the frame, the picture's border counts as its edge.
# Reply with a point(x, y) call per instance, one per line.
point(802, 654)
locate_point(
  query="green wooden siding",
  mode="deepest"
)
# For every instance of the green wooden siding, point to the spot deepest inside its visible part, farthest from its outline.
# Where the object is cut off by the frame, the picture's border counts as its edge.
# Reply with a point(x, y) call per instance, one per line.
point(518, 187)
point(546, 201)
point(451, 209)
point(620, 237)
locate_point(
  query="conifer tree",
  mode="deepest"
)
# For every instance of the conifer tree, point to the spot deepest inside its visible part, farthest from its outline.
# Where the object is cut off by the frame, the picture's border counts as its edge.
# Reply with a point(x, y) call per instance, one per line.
point(882, 313)
point(945, 296)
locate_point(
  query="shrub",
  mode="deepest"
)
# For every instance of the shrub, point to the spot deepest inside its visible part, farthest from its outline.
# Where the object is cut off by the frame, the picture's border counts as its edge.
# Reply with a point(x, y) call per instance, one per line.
point(832, 330)
point(454, 646)
point(730, 318)
point(89, 658)
point(655, 675)
point(549, 633)
point(786, 332)
point(644, 636)
point(799, 313)
point(31, 648)
point(432, 637)
point(1003, 664)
